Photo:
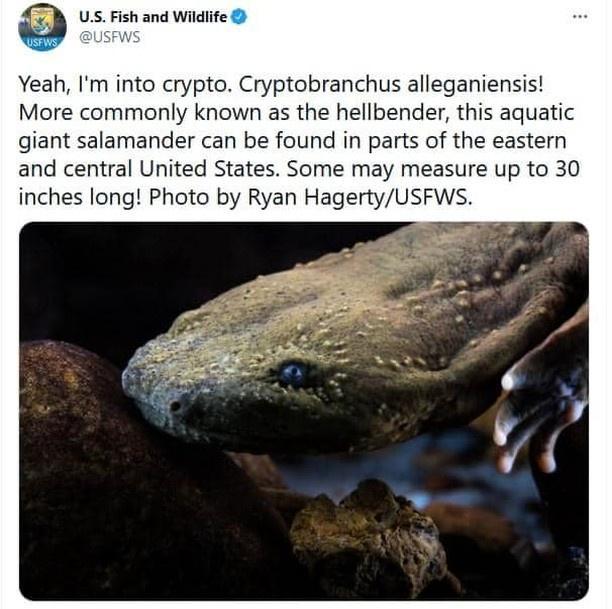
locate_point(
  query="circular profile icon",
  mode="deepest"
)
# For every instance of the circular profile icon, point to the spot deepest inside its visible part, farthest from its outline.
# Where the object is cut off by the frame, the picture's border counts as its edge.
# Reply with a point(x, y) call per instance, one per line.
point(42, 27)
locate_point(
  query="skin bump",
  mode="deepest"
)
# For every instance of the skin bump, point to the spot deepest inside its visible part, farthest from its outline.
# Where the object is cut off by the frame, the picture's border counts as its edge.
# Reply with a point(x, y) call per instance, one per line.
point(337, 319)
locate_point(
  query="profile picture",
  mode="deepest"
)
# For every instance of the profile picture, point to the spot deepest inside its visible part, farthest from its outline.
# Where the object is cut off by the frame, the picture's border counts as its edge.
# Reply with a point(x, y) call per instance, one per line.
point(42, 27)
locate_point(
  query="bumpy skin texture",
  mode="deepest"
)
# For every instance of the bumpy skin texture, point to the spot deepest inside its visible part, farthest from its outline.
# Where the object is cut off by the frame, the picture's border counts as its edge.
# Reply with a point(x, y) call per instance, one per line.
point(398, 336)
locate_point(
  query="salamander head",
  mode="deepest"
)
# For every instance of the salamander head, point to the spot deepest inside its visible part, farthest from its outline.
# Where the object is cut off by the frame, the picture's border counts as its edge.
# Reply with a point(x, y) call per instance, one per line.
point(361, 349)
point(274, 365)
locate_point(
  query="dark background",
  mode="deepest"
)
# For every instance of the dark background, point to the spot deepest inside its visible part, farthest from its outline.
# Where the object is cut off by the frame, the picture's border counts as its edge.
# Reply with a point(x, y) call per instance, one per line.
point(110, 287)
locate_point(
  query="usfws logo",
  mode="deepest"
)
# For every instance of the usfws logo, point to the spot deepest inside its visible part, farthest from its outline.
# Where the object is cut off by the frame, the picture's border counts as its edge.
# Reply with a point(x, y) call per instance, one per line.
point(42, 19)
point(42, 27)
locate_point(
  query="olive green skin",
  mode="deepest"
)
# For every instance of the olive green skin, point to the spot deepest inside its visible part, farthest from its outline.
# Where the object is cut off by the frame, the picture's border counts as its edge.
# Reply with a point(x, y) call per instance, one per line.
point(398, 336)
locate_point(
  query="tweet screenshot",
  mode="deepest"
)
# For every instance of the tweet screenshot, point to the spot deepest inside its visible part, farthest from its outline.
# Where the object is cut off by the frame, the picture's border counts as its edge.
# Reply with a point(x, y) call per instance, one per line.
point(295, 302)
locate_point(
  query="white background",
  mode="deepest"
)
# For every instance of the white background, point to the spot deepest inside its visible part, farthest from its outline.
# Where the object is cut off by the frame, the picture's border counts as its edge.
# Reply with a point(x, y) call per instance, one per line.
point(445, 37)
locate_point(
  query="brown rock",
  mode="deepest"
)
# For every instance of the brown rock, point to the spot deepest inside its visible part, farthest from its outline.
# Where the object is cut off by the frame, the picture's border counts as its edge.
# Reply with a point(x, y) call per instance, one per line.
point(286, 502)
point(568, 579)
point(112, 509)
point(485, 551)
point(260, 468)
point(372, 545)
point(490, 531)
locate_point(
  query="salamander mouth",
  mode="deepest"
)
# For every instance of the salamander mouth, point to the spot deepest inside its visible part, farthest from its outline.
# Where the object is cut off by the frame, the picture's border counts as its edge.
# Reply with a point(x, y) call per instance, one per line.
point(295, 437)
point(254, 444)
point(268, 444)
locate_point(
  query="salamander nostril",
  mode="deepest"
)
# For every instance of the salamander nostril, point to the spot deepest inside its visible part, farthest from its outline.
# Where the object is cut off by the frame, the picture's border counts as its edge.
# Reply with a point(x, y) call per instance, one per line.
point(175, 406)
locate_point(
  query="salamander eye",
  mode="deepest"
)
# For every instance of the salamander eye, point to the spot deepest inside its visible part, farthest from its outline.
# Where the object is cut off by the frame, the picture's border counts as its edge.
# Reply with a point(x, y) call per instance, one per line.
point(293, 374)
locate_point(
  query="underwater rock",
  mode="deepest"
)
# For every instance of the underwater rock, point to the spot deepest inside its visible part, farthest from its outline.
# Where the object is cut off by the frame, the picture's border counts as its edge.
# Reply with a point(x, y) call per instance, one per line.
point(286, 502)
point(372, 545)
point(491, 532)
point(260, 468)
point(485, 551)
point(568, 580)
point(110, 508)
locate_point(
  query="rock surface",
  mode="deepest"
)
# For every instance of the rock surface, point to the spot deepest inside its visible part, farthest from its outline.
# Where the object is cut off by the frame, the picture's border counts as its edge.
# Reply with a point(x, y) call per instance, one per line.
point(111, 509)
point(485, 551)
point(260, 468)
point(372, 545)
point(568, 579)
point(489, 531)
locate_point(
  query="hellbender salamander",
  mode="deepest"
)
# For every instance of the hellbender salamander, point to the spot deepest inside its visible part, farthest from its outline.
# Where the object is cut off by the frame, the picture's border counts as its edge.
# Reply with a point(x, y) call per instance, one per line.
point(378, 343)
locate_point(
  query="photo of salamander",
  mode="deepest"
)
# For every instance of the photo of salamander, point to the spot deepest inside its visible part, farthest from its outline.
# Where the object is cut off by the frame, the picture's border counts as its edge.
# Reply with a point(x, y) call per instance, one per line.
point(304, 411)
